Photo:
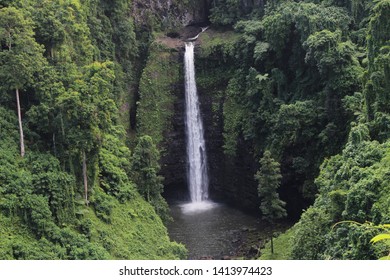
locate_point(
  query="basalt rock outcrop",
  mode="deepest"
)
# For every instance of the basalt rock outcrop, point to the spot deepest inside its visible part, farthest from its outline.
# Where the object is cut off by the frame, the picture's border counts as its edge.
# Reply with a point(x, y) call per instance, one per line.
point(170, 13)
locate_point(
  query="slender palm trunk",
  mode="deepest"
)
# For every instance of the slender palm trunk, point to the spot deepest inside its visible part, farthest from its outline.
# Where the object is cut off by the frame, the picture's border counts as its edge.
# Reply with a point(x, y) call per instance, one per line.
point(22, 152)
point(85, 178)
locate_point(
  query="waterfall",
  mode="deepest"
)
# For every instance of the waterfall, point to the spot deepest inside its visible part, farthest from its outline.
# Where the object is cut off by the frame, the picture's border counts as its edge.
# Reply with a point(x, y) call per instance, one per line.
point(198, 180)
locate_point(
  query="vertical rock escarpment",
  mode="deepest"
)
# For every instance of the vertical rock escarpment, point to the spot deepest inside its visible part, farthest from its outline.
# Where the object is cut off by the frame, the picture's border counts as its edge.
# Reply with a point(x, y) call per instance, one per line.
point(161, 114)
point(231, 177)
point(171, 13)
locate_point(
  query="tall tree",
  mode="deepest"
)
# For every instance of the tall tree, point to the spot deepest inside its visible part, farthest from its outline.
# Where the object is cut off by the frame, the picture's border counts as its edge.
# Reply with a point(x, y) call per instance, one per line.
point(20, 56)
point(269, 177)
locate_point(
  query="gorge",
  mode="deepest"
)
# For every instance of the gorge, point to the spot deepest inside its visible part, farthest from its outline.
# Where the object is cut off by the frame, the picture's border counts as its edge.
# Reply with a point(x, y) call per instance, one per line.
point(209, 230)
point(287, 113)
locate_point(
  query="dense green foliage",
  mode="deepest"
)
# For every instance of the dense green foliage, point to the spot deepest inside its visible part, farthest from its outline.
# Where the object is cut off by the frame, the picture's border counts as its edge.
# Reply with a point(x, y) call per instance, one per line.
point(314, 91)
point(87, 102)
point(145, 168)
point(74, 194)
point(310, 84)
point(297, 65)
point(308, 81)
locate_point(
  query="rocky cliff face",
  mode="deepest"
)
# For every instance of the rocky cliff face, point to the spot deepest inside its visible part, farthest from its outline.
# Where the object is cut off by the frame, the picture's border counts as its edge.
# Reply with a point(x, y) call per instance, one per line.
point(231, 178)
point(161, 115)
point(161, 107)
point(170, 13)
point(174, 158)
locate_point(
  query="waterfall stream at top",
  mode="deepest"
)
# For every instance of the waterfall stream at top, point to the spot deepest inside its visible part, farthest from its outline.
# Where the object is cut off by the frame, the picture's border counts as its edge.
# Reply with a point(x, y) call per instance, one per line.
point(197, 173)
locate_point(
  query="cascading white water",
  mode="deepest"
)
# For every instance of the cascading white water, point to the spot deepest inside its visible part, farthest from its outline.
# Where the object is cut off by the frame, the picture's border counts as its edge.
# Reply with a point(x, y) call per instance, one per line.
point(198, 180)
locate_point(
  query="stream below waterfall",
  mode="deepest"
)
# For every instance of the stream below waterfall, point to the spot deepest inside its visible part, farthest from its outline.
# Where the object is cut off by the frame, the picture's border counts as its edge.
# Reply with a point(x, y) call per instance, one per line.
point(217, 231)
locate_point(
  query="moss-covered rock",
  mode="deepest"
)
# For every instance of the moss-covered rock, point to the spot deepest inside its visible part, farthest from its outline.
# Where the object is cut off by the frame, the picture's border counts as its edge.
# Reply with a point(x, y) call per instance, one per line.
point(161, 105)
point(157, 86)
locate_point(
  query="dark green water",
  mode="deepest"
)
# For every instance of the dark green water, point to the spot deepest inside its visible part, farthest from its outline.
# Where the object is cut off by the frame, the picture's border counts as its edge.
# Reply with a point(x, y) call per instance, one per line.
point(210, 230)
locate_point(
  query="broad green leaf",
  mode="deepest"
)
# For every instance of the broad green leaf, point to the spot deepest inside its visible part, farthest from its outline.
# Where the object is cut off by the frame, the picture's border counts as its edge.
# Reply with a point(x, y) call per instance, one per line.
point(380, 237)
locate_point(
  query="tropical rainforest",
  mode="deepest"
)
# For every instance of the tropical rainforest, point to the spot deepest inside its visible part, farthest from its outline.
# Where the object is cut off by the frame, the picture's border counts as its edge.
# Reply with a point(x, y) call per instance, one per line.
point(295, 97)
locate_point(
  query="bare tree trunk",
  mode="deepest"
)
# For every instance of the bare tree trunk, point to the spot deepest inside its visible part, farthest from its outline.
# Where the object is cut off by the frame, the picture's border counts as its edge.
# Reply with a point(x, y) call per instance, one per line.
point(54, 145)
point(85, 178)
point(22, 152)
point(62, 126)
